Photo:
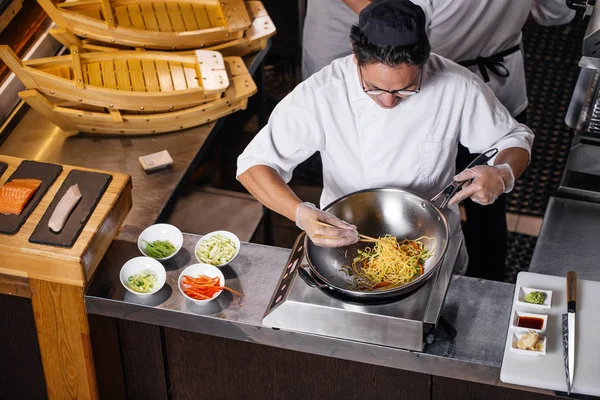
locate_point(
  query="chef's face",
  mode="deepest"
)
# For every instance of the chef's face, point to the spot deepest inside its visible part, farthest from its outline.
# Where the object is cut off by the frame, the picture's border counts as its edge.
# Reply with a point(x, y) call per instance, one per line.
point(388, 86)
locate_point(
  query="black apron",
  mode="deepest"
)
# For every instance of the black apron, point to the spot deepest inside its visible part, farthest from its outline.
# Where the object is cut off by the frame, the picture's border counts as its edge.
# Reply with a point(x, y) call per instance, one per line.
point(492, 63)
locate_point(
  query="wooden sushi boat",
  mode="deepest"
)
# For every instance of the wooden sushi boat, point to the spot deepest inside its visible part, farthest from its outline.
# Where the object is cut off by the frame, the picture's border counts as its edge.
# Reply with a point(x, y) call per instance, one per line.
point(161, 24)
point(125, 80)
point(72, 119)
point(255, 37)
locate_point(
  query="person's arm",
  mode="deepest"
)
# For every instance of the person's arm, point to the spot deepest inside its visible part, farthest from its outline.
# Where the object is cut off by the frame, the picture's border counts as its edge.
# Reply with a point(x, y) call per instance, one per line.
point(292, 134)
point(486, 123)
point(357, 5)
point(551, 12)
point(267, 186)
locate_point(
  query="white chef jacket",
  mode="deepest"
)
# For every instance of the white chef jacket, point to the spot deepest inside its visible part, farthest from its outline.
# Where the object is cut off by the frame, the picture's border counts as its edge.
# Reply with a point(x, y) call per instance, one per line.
point(460, 30)
point(412, 146)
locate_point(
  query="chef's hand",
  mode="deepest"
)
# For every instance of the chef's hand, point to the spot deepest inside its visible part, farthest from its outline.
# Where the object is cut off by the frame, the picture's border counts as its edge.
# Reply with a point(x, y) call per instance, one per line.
point(342, 234)
point(487, 183)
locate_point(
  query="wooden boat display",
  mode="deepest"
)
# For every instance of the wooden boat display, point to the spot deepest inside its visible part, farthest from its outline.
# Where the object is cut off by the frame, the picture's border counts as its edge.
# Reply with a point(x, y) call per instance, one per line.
point(255, 37)
point(161, 24)
point(125, 80)
point(113, 122)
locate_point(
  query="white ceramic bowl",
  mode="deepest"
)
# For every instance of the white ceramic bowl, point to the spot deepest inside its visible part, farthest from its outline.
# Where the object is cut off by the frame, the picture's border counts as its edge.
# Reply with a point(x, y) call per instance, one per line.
point(518, 314)
point(524, 291)
point(225, 234)
point(161, 232)
point(196, 270)
point(139, 264)
point(514, 349)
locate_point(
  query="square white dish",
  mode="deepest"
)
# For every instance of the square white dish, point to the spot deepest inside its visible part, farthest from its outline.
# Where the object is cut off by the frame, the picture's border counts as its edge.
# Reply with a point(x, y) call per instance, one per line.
point(524, 291)
point(514, 349)
point(518, 314)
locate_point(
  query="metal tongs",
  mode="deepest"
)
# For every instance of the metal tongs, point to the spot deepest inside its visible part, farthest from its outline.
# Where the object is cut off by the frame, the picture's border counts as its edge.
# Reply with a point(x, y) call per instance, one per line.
point(455, 186)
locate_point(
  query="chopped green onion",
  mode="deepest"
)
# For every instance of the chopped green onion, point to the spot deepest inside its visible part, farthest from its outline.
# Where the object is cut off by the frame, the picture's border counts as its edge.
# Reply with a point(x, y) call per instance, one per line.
point(143, 281)
point(216, 250)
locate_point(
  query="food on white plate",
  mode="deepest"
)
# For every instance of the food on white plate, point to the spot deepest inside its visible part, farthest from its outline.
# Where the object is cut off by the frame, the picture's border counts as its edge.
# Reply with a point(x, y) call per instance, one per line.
point(216, 250)
point(530, 341)
point(159, 248)
point(64, 208)
point(142, 282)
point(535, 297)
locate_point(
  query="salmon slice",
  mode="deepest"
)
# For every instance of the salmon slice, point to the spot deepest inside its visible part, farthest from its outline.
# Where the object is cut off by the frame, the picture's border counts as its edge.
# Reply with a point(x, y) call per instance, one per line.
point(15, 195)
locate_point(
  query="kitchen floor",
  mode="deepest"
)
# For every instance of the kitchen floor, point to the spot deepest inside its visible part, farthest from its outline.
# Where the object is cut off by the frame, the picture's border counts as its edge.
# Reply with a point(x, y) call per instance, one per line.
point(551, 55)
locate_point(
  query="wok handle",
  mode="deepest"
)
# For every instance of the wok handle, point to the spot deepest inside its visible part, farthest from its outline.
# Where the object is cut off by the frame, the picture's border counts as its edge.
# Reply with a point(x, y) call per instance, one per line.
point(309, 280)
point(454, 186)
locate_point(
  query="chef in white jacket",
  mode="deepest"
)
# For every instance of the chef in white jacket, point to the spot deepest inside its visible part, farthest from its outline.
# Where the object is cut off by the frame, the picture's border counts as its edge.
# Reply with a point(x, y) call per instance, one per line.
point(484, 36)
point(391, 115)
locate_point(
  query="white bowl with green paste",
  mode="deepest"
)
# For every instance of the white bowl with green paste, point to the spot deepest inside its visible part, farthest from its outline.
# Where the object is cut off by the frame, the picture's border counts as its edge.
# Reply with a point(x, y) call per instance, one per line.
point(217, 248)
point(534, 298)
point(160, 241)
point(143, 276)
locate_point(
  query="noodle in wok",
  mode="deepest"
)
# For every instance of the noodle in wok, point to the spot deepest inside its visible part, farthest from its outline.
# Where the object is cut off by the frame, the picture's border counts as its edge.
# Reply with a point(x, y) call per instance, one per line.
point(389, 262)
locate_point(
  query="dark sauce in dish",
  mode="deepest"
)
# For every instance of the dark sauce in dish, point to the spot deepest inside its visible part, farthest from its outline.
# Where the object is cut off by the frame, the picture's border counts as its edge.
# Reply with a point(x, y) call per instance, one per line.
point(530, 322)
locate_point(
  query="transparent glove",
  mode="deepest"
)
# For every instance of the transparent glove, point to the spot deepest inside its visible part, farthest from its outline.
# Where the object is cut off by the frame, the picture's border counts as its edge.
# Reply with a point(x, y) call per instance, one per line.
point(342, 234)
point(484, 183)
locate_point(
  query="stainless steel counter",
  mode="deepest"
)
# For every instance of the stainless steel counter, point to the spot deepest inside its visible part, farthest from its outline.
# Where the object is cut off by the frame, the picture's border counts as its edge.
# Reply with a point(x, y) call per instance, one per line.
point(36, 138)
point(569, 240)
point(479, 311)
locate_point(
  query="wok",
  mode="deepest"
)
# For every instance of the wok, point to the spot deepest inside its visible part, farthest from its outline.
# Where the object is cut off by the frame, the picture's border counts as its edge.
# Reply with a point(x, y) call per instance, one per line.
point(377, 212)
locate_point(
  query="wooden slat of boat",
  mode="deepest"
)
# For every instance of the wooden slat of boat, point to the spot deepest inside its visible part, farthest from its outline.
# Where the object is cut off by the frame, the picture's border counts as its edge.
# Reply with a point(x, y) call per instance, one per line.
point(43, 106)
point(178, 76)
point(176, 18)
point(108, 74)
point(95, 13)
point(123, 17)
point(79, 3)
point(76, 65)
point(236, 15)
point(94, 74)
point(135, 14)
point(62, 72)
point(65, 37)
point(188, 16)
point(107, 11)
point(215, 16)
point(115, 115)
point(150, 76)
point(149, 17)
point(164, 76)
point(191, 77)
point(137, 76)
point(122, 72)
point(162, 16)
point(201, 16)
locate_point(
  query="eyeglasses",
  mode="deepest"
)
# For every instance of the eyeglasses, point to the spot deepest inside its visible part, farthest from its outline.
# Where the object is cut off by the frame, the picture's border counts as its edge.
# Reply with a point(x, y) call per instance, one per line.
point(398, 93)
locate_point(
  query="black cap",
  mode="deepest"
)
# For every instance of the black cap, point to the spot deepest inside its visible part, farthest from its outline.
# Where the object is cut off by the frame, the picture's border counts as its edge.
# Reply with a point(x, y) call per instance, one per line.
point(393, 23)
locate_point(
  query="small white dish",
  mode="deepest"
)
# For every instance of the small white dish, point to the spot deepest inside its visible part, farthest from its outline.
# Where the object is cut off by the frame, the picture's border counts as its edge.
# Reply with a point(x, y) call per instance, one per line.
point(524, 291)
point(161, 232)
point(226, 234)
point(514, 349)
point(196, 270)
point(519, 314)
point(139, 264)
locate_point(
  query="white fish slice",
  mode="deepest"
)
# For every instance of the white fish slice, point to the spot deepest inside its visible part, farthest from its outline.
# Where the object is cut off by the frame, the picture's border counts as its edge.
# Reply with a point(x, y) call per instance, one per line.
point(64, 207)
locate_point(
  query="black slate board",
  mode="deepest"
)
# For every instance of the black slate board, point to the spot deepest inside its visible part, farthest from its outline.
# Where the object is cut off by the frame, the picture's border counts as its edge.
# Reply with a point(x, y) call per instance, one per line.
point(47, 173)
point(3, 167)
point(92, 186)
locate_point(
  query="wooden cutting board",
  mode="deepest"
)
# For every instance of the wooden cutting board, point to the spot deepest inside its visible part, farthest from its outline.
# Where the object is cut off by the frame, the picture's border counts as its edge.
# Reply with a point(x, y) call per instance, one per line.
point(548, 372)
point(73, 265)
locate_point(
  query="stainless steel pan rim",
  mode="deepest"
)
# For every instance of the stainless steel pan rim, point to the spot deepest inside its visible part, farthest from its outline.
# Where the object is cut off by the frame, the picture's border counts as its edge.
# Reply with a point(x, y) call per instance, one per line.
point(395, 291)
